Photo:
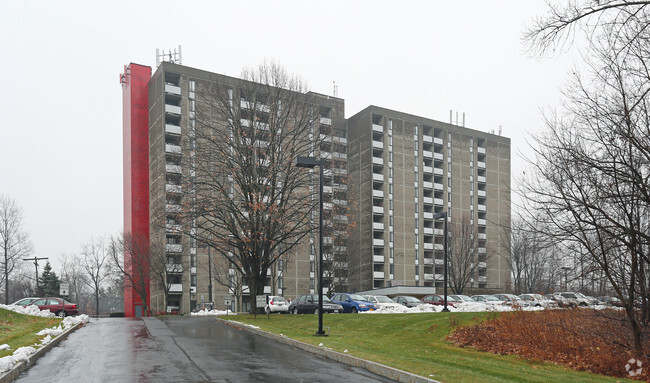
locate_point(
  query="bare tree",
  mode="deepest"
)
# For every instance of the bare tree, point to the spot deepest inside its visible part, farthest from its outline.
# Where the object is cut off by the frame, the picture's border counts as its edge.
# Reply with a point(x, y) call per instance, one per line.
point(464, 255)
point(250, 202)
point(95, 261)
point(227, 276)
point(14, 242)
point(73, 272)
point(134, 267)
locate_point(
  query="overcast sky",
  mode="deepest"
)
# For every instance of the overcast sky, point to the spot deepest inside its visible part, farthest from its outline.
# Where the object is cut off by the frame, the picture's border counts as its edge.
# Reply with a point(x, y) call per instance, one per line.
point(61, 101)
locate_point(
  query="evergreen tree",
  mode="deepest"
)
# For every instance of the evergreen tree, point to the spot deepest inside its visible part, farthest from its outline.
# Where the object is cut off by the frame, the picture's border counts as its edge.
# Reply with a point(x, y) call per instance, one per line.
point(49, 283)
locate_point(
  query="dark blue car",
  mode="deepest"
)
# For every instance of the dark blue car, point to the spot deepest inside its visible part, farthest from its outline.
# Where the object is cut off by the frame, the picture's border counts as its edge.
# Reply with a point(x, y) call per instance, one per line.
point(353, 303)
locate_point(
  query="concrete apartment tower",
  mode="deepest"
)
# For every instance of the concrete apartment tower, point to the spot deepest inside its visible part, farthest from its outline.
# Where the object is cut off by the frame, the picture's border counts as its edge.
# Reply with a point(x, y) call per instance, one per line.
point(407, 168)
point(386, 173)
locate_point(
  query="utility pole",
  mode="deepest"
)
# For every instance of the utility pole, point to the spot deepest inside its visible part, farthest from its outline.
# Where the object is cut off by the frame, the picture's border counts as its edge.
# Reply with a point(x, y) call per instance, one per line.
point(35, 259)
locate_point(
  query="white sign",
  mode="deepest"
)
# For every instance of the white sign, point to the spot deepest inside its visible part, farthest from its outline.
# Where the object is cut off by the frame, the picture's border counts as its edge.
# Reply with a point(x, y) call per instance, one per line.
point(260, 300)
point(64, 288)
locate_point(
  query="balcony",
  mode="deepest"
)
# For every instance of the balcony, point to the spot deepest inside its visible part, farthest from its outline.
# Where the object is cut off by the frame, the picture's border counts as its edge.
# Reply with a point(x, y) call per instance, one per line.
point(440, 262)
point(438, 156)
point(439, 246)
point(427, 200)
point(170, 208)
point(438, 201)
point(171, 188)
point(427, 185)
point(438, 171)
point(427, 154)
point(428, 261)
point(325, 121)
point(174, 268)
point(482, 222)
point(327, 206)
point(482, 236)
point(481, 193)
point(171, 168)
point(377, 226)
point(378, 210)
point(173, 89)
point(172, 109)
point(482, 250)
point(249, 105)
point(438, 186)
point(428, 246)
point(481, 179)
point(176, 288)
point(427, 169)
point(439, 232)
point(377, 177)
point(377, 144)
point(378, 274)
point(378, 258)
point(480, 150)
point(428, 277)
point(482, 265)
point(174, 248)
point(173, 228)
point(440, 277)
point(427, 215)
point(378, 193)
point(437, 141)
point(377, 128)
point(377, 160)
point(428, 230)
point(482, 279)
point(480, 164)
point(481, 207)
point(172, 129)
point(172, 149)
point(378, 242)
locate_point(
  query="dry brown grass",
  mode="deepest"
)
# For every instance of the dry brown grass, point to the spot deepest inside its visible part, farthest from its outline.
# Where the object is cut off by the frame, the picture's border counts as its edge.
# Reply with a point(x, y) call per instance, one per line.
point(582, 339)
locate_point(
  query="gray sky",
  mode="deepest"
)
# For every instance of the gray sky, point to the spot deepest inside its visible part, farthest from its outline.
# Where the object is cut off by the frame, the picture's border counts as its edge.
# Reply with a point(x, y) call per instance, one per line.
point(61, 134)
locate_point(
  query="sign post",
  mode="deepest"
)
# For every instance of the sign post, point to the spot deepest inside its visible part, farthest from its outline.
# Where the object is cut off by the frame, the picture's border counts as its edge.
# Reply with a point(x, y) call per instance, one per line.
point(64, 289)
point(226, 301)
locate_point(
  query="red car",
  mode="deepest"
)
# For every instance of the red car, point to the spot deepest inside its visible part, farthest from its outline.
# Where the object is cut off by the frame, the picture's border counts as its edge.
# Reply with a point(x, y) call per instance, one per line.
point(439, 300)
point(58, 306)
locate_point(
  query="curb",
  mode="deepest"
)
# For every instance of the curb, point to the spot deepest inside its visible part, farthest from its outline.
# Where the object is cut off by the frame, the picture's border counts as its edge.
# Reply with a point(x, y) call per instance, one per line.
point(379, 369)
point(12, 374)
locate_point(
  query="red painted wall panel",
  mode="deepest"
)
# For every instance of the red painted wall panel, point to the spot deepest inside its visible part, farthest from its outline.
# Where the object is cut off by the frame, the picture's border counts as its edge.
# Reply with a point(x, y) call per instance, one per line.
point(135, 99)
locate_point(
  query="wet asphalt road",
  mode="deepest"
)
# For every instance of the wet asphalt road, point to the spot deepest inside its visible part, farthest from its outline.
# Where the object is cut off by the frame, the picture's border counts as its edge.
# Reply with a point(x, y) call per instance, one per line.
point(181, 349)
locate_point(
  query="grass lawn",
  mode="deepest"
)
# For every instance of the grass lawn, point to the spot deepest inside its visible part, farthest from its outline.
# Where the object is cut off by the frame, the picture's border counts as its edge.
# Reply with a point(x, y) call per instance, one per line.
point(18, 330)
point(416, 343)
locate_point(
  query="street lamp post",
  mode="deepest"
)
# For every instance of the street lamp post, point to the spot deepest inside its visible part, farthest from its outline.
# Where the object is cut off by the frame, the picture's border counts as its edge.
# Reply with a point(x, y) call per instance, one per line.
point(311, 162)
point(35, 259)
point(444, 216)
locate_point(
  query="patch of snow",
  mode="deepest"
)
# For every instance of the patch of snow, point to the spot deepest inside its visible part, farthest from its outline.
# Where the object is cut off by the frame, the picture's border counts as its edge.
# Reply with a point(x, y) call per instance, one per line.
point(4, 347)
point(462, 307)
point(211, 312)
point(320, 345)
point(29, 310)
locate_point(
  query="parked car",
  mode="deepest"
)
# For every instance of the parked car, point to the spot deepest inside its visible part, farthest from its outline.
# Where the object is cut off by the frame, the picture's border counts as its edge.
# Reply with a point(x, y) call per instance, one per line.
point(439, 300)
point(381, 301)
point(58, 306)
point(408, 300)
point(308, 304)
point(611, 301)
point(511, 300)
point(577, 298)
point(487, 299)
point(278, 305)
point(536, 300)
point(24, 302)
point(462, 298)
point(352, 303)
point(560, 300)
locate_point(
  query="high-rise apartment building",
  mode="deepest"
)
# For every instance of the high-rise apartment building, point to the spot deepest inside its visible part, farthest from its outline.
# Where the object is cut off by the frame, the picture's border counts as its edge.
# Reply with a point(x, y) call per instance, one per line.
point(385, 174)
point(406, 169)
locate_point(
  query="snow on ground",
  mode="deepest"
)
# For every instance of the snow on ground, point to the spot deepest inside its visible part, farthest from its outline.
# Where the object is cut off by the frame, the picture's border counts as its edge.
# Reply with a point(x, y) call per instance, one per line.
point(462, 307)
point(212, 312)
point(23, 353)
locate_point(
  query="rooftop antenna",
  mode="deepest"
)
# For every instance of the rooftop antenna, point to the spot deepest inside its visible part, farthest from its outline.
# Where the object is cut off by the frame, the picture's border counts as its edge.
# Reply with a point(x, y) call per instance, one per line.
point(173, 56)
point(500, 127)
point(336, 89)
point(456, 122)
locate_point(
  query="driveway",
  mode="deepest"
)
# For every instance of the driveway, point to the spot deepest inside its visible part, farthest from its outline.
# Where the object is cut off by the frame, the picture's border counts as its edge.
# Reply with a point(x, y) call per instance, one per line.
point(182, 349)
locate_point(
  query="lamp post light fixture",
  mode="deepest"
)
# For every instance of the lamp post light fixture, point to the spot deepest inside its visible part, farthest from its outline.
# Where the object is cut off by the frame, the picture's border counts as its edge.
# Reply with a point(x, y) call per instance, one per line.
point(444, 216)
point(311, 162)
